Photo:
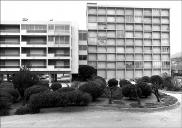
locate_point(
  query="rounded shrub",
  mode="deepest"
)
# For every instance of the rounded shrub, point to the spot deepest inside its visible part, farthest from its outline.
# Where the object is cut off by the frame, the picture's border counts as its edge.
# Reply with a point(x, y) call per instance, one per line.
point(13, 92)
point(6, 85)
point(145, 79)
point(131, 91)
point(4, 107)
point(112, 83)
point(65, 89)
point(55, 86)
point(100, 80)
point(86, 72)
point(145, 88)
point(33, 90)
point(156, 80)
point(93, 89)
point(26, 110)
point(43, 83)
point(123, 82)
point(6, 96)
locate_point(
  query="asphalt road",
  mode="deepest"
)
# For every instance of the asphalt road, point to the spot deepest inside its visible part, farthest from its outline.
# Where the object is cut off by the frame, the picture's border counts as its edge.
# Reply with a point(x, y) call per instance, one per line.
point(171, 118)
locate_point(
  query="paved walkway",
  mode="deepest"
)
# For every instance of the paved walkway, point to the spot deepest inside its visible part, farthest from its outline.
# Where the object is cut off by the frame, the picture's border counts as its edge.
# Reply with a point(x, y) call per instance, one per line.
point(98, 119)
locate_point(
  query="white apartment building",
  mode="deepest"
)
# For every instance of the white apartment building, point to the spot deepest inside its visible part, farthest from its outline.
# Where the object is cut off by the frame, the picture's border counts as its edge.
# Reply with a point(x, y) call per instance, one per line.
point(82, 42)
point(47, 47)
point(127, 42)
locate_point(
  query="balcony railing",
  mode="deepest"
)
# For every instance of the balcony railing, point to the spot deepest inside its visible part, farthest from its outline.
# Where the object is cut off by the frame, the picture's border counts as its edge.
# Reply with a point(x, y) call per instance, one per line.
point(35, 43)
point(10, 31)
point(62, 54)
point(9, 42)
point(28, 54)
point(9, 66)
point(36, 31)
point(8, 55)
point(37, 66)
point(64, 66)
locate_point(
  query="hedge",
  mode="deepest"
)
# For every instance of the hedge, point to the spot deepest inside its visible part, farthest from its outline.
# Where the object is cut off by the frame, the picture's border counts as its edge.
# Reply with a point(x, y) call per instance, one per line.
point(93, 88)
point(33, 90)
point(56, 99)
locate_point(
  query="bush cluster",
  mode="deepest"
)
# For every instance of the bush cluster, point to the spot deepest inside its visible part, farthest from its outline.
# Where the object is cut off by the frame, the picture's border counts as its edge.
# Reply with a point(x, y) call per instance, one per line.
point(4, 107)
point(55, 86)
point(65, 89)
point(145, 88)
point(56, 99)
point(123, 82)
point(131, 91)
point(86, 72)
point(26, 110)
point(33, 90)
point(10, 94)
point(93, 88)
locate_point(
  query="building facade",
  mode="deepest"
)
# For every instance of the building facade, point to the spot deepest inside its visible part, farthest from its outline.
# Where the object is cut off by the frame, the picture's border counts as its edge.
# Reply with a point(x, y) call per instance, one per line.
point(82, 42)
point(128, 42)
point(48, 48)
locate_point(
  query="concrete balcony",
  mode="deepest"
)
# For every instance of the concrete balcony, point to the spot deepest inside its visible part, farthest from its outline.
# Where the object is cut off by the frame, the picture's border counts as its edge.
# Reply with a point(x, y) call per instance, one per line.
point(58, 68)
point(9, 32)
point(6, 68)
point(10, 57)
point(63, 32)
point(83, 52)
point(34, 32)
point(33, 56)
point(26, 44)
point(82, 62)
point(58, 56)
point(9, 44)
point(53, 44)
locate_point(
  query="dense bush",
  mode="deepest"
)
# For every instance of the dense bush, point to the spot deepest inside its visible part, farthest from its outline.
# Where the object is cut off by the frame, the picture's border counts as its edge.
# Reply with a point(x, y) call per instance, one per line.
point(86, 72)
point(6, 85)
point(112, 83)
point(145, 88)
point(167, 83)
point(43, 83)
point(6, 96)
point(156, 80)
point(26, 110)
point(93, 89)
point(124, 82)
point(100, 80)
point(13, 92)
point(145, 79)
point(4, 107)
point(131, 91)
point(65, 89)
point(55, 86)
point(33, 90)
point(56, 99)
point(24, 79)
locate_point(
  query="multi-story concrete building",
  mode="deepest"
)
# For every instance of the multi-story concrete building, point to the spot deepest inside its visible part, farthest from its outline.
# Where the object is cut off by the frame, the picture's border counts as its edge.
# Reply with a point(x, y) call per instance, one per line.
point(49, 48)
point(82, 42)
point(126, 42)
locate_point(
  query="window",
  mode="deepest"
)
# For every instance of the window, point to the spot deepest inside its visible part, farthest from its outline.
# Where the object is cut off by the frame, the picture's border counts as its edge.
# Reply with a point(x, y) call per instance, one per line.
point(129, 19)
point(50, 38)
point(120, 11)
point(62, 39)
point(62, 27)
point(51, 27)
point(82, 47)
point(82, 57)
point(82, 36)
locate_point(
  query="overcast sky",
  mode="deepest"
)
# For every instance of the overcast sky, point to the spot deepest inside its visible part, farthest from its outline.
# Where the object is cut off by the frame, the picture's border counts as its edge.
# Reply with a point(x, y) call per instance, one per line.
point(75, 11)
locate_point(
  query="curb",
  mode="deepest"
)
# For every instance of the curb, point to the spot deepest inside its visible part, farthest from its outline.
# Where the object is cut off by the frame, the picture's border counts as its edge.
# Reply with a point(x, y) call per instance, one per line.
point(173, 92)
point(136, 109)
